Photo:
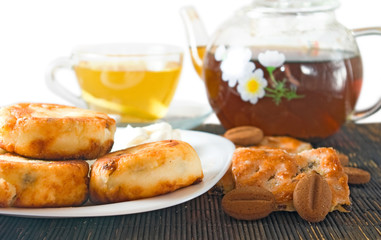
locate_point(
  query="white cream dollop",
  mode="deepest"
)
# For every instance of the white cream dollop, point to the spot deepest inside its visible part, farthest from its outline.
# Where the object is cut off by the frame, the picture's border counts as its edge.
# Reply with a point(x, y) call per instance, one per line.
point(151, 133)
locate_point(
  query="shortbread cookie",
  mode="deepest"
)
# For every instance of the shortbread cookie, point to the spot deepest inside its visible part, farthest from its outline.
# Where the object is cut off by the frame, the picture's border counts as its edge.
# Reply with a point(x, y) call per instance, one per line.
point(244, 135)
point(357, 175)
point(248, 203)
point(312, 197)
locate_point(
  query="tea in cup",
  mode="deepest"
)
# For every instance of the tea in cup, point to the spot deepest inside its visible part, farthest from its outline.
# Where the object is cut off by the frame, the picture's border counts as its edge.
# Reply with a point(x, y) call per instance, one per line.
point(135, 82)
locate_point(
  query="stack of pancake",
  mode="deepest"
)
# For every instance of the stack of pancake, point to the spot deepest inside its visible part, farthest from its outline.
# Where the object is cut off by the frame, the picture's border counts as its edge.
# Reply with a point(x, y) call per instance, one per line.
point(46, 148)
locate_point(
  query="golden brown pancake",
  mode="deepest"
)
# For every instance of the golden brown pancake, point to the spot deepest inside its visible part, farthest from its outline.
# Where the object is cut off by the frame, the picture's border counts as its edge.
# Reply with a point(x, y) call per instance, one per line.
point(144, 171)
point(55, 132)
point(36, 183)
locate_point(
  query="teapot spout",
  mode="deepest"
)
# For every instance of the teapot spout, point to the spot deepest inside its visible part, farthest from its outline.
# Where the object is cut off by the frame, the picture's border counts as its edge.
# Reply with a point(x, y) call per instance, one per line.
point(196, 35)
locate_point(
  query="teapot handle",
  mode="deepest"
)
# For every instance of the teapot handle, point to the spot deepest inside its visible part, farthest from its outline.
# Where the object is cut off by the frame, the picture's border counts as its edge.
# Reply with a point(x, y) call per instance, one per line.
point(196, 35)
point(361, 114)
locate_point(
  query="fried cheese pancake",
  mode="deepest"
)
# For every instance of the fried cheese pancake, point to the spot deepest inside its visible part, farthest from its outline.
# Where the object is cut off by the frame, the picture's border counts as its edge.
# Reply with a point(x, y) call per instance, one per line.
point(279, 171)
point(55, 132)
point(36, 183)
point(143, 171)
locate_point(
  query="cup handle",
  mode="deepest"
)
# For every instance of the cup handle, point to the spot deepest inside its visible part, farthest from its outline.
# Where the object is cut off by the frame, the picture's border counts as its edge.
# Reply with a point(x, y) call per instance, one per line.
point(55, 86)
point(361, 114)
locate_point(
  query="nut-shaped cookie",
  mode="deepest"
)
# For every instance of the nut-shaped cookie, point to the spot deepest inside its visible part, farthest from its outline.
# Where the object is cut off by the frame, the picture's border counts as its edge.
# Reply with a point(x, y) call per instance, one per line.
point(248, 203)
point(244, 135)
point(312, 197)
point(357, 175)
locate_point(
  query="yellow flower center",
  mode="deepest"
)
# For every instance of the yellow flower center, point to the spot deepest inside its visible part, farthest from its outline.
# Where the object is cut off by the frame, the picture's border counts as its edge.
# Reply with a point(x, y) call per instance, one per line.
point(252, 85)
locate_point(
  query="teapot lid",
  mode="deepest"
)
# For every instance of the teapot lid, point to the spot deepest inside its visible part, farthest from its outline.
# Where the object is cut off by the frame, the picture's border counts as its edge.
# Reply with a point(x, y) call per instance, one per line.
point(291, 6)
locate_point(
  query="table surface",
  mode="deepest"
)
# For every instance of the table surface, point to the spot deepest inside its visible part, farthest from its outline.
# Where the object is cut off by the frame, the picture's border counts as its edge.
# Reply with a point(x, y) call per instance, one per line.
point(203, 218)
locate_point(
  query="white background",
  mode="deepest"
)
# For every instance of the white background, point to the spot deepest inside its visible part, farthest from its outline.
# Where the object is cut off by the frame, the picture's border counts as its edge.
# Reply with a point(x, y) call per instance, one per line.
point(33, 33)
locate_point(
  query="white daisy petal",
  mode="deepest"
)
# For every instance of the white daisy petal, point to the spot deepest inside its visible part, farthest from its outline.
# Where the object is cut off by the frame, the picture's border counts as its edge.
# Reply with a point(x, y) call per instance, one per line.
point(232, 82)
point(253, 100)
point(247, 54)
point(245, 97)
point(249, 67)
point(225, 77)
point(220, 53)
point(259, 74)
point(261, 93)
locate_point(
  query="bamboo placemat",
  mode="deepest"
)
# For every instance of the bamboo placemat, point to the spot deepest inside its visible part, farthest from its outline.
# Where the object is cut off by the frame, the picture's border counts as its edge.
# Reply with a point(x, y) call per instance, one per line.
point(203, 218)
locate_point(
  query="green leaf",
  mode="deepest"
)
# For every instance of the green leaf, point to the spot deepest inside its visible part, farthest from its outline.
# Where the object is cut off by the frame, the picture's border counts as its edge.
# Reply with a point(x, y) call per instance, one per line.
point(281, 91)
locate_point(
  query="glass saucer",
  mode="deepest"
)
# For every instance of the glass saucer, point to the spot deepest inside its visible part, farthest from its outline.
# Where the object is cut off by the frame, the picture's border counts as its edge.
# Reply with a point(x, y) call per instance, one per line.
point(181, 114)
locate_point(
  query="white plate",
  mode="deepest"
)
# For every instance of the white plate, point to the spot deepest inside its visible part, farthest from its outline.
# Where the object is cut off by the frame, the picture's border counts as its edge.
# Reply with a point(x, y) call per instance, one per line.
point(215, 153)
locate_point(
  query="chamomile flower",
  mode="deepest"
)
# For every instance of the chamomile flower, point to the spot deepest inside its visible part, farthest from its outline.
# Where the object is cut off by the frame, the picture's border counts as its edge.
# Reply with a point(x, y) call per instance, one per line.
point(271, 59)
point(252, 86)
point(235, 63)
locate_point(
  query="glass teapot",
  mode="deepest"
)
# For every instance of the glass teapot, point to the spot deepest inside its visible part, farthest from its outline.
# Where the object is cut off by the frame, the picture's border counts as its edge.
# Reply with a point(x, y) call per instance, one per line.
point(286, 66)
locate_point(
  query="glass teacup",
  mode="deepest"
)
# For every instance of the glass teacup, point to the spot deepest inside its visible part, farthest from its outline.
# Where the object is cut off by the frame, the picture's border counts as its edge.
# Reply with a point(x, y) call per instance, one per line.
point(134, 82)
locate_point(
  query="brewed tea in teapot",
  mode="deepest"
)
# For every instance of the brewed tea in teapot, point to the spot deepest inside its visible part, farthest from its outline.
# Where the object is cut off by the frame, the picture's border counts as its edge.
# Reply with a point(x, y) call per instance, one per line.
point(287, 67)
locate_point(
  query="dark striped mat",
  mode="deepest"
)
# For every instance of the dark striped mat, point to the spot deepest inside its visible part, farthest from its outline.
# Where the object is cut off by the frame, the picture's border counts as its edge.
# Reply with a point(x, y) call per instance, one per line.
point(202, 218)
